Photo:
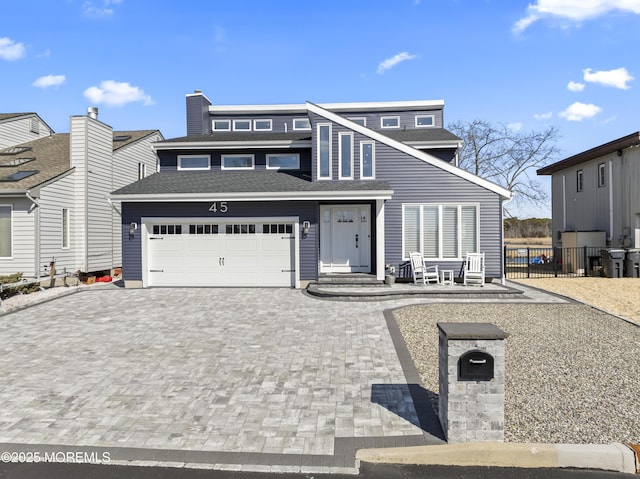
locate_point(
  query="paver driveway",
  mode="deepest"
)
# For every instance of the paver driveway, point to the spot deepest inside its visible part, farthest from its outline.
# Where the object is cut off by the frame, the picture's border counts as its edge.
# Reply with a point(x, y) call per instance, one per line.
point(267, 371)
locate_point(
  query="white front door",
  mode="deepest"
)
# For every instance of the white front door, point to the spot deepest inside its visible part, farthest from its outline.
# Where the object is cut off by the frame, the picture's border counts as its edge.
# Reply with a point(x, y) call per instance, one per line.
point(345, 239)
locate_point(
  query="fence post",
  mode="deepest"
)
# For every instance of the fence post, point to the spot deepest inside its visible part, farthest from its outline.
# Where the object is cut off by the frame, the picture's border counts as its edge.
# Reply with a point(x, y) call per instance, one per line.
point(504, 261)
point(555, 261)
point(528, 264)
point(585, 260)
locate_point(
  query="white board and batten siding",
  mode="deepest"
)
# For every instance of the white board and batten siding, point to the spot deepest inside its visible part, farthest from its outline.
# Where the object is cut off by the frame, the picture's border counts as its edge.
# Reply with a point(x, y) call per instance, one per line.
point(14, 131)
point(91, 155)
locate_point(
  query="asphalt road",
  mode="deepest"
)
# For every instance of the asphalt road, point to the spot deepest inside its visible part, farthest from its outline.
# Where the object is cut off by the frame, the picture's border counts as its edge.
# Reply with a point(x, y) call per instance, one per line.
point(367, 471)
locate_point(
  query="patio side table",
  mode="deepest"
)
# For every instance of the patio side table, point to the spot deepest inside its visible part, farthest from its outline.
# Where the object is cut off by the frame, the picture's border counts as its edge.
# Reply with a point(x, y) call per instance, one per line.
point(446, 277)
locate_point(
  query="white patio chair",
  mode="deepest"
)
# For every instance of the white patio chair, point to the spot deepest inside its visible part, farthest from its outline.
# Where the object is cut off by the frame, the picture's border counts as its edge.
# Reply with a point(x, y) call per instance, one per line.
point(426, 274)
point(474, 269)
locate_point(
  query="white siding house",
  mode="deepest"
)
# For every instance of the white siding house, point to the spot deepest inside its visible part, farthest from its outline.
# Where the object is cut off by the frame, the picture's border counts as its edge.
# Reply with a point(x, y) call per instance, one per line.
point(54, 195)
point(16, 128)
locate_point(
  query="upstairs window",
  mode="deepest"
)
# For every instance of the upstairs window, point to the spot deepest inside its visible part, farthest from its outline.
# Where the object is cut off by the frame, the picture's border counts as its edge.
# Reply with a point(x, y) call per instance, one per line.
point(222, 125)
point(602, 174)
point(424, 121)
point(390, 122)
point(324, 151)
point(367, 160)
point(237, 162)
point(142, 170)
point(360, 120)
point(241, 125)
point(345, 146)
point(301, 124)
point(283, 162)
point(194, 162)
point(262, 125)
point(579, 176)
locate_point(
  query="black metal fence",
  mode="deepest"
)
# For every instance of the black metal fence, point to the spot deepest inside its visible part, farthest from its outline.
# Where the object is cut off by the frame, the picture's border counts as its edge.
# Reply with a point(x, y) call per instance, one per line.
point(557, 262)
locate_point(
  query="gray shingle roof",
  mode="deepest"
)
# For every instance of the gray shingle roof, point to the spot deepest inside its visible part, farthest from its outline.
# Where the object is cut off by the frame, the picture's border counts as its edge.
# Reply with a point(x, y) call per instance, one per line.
point(185, 182)
point(422, 134)
point(6, 116)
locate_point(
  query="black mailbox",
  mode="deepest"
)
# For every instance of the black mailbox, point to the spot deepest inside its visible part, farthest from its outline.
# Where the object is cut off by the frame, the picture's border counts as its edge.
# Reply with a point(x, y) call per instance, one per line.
point(475, 366)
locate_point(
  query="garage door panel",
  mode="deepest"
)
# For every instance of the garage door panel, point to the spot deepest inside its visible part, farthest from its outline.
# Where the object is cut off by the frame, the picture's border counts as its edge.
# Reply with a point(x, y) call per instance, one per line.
point(231, 254)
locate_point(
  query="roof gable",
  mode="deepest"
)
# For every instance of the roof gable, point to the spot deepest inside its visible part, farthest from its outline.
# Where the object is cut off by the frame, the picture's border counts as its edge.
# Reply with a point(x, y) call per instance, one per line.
point(426, 157)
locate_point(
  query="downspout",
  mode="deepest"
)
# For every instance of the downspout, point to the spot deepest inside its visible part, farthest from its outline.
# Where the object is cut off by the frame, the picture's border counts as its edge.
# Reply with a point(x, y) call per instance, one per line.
point(36, 239)
point(611, 201)
point(504, 271)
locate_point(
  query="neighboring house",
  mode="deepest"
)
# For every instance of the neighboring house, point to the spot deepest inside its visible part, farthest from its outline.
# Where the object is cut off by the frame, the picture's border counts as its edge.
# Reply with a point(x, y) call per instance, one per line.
point(276, 195)
point(597, 190)
point(54, 192)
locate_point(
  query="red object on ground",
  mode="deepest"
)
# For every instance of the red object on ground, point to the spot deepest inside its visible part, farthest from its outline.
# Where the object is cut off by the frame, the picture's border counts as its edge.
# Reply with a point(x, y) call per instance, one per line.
point(104, 279)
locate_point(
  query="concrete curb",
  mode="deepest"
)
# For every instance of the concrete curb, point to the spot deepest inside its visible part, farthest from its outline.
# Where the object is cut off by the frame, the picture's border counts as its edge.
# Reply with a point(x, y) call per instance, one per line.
point(610, 457)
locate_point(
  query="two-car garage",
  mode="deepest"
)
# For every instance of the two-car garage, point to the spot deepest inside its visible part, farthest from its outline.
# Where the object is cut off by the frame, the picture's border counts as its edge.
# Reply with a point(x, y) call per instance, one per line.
point(211, 252)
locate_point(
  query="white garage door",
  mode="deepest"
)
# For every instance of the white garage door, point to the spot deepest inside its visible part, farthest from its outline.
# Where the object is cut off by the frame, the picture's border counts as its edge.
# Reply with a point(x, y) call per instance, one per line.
point(201, 253)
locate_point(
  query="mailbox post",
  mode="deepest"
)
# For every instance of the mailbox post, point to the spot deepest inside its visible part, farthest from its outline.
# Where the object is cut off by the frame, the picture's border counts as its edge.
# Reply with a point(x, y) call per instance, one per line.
point(471, 399)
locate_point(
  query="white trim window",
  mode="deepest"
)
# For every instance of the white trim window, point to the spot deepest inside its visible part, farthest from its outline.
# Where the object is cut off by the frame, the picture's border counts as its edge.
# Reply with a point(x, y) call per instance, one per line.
point(360, 120)
point(283, 161)
point(345, 155)
point(440, 232)
point(367, 160)
point(65, 228)
point(425, 121)
point(390, 122)
point(301, 124)
point(324, 151)
point(602, 175)
point(579, 180)
point(238, 162)
point(221, 125)
point(241, 125)
point(142, 170)
point(194, 162)
point(262, 125)
point(6, 231)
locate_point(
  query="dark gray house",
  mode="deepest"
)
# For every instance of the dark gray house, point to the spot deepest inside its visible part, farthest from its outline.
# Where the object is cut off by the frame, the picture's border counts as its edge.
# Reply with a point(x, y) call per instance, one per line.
point(276, 195)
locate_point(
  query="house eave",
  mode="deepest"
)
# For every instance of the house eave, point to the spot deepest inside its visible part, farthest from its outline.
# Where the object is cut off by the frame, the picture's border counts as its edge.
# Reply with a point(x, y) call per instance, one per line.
point(588, 155)
point(229, 145)
point(257, 196)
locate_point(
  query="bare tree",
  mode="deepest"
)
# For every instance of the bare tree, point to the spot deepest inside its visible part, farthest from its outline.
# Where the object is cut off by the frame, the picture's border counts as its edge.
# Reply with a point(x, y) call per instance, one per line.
point(508, 157)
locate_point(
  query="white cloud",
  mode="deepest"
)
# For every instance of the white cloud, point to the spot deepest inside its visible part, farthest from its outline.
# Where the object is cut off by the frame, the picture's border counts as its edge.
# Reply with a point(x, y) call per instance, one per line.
point(575, 86)
point(10, 50)
point(102, 10)
point(393, 61)
point(579, 111)
point(517, 126)
point(574, 10)
point(543, 116)
point(115, 93)
point(48, 81)
point(617, 78)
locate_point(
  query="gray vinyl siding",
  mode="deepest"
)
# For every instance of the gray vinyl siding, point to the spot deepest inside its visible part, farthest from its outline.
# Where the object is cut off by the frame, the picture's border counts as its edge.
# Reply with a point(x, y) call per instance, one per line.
point(125, 167)
point(414, 181)
point(407, 118)
point(23, 227)
point(134, 212)
point(169, 159)
point(18, 130)
point(53, 198)
point(197, 115)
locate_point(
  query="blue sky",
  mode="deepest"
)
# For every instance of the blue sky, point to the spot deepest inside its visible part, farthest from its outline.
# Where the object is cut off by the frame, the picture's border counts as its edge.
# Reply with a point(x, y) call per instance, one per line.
point(530, 64)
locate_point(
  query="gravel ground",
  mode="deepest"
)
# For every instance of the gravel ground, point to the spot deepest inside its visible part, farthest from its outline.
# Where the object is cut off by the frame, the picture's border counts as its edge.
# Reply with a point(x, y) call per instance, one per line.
point(571, 370)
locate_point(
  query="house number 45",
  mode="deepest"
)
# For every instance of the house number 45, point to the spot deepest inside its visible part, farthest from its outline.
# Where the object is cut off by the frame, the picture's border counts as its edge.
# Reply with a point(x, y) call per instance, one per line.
point(223, 208)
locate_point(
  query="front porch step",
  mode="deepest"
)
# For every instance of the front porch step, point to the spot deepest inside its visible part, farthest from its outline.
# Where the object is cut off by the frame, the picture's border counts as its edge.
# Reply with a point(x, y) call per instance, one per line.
point(348, 279)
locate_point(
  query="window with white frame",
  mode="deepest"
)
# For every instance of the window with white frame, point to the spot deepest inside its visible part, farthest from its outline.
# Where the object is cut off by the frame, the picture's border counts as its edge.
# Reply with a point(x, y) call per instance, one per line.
point(445, 231)
point(65, 228)
point(324, 151)
point(6, 233)
point(142, 170)
point(283, 161)
point(241, 125)
point(390, 122)
point(579, 179)
point(301, 124)
point(360, 120)
point(238, 162)
point(194, 162)
point(424, 120)
point(367, 160)
point(345, 153)
point(602, 174)
point(222, 125)
point(262, 125)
